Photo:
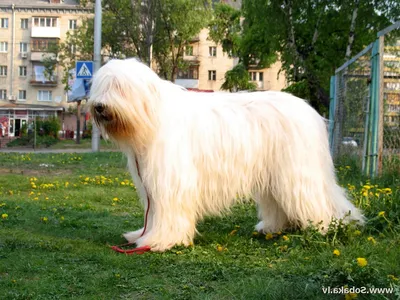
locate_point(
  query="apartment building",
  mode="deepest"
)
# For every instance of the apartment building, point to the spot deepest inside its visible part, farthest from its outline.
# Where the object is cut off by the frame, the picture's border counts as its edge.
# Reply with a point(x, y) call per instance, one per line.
point(208, 65)
point(28, 31)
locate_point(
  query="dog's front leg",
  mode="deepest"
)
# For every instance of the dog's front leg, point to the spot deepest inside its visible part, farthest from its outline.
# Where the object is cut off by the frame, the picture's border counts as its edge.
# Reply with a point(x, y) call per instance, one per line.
point(173, 223)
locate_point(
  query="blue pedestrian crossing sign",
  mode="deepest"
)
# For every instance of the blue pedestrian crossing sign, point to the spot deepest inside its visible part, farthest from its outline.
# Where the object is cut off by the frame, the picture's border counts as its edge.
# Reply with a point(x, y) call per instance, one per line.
point(84, 69)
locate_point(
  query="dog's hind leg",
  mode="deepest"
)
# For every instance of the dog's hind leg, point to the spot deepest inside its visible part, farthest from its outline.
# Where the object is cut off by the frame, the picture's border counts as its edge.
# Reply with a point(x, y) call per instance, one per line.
point(271, 215)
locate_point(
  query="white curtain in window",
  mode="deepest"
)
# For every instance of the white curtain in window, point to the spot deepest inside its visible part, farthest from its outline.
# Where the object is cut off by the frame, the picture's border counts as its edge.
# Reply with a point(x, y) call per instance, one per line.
point(39, 73)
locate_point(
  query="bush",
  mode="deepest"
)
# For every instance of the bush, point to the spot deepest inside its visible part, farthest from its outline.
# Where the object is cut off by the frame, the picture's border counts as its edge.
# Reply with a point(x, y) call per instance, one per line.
point(49, 127)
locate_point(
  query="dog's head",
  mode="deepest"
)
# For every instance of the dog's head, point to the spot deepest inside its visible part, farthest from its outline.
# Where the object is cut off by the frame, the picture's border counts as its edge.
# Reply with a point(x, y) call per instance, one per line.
point(123, 101)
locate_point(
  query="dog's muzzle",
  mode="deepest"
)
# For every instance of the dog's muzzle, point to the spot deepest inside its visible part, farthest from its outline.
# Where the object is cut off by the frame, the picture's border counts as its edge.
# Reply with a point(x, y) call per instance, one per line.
point(101, 113)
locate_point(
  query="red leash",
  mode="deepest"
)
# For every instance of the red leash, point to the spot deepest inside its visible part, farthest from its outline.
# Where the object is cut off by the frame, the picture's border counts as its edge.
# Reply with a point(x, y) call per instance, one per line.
point(138, 250)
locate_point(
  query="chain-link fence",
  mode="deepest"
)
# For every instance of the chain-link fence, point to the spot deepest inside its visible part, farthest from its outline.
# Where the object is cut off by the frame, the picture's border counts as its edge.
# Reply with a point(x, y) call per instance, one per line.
point(365, 105)
point(391, 99)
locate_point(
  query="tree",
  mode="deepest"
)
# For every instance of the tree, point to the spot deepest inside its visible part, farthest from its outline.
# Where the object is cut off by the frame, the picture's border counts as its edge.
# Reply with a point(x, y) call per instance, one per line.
point(140, 28)
point(238, 79)
point(177, 23)
point(310, 38)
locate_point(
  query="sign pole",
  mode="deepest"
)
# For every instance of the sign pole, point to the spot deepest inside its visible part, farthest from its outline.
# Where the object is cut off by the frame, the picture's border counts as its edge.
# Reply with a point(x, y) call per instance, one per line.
point(97, 64)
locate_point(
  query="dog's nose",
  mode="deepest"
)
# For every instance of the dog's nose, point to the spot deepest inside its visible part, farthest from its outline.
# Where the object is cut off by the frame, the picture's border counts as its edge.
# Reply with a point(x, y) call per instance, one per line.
point(99, 108)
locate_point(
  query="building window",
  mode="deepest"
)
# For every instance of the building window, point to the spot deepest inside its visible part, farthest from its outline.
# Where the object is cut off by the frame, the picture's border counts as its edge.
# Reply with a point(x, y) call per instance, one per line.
point(22, 71)
point(24, 23)
point(43, 45)
point(212, 51)
point(3, 70)
point(212, 75)
point(72, 24)
point(23, 47)
point(189, 50)
point(45, 22)
point(191, 73)
point(22, 95)
point(73, 49)
point(261, 76)
point(253, 76)
point(44, 96)
point(3, 94)
point(3, 46)
point(4, 23)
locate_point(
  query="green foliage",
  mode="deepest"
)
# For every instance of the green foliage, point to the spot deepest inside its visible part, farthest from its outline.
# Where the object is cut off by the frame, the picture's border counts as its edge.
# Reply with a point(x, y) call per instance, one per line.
point(129, 29)
point(28, 141)
point(225, 28)
point(49, 126)
point(177, 23)
point(310, 38)
point(238, 79)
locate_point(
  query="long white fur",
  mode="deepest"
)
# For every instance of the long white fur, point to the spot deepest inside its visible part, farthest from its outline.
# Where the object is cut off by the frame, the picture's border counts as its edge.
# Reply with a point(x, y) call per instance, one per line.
point(201, 152)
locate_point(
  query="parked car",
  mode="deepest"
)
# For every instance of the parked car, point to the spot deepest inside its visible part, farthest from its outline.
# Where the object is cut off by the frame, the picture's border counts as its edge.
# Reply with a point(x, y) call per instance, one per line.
point(349, 141)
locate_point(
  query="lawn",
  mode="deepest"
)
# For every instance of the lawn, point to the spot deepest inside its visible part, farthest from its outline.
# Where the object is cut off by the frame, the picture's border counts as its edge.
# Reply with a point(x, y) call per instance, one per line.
point(61, 212)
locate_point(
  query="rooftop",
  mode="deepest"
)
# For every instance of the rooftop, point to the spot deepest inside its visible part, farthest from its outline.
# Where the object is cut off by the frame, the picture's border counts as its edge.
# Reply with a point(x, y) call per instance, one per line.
point(64, 4)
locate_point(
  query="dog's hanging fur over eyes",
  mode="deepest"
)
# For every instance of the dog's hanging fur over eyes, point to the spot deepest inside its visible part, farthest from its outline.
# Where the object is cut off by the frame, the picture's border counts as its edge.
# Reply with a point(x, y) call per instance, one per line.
point(198, 153)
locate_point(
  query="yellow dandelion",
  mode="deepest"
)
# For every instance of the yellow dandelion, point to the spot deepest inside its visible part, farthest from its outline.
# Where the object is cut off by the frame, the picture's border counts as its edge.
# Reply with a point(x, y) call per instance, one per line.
point(115, 199)
point(381, 213)
point(350, 296)
point(4, 216)
point(233, 232)
point(31, 193)
point(285, 238)
point(336, 252)
point(255, 233)
point(62, 218)
point(362, 262)
point(44, 219)
point(269, 236)
point(220, 248)
point(36, 198)
point(371, 239)
point(348, 167)
point(357, 232)
point(392, 277)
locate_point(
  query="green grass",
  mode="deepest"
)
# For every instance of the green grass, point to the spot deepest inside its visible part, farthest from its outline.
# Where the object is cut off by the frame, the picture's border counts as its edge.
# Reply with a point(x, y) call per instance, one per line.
point(84, 144)
point(59, 216)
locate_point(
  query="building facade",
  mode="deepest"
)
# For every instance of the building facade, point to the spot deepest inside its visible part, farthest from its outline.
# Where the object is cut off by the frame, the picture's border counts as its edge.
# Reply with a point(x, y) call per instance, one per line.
point(208, 65)
point(29, 29)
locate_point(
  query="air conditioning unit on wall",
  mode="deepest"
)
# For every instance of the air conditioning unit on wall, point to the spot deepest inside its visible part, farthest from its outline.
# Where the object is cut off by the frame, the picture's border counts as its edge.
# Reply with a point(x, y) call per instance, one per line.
point(24, 55)
point(12, 98)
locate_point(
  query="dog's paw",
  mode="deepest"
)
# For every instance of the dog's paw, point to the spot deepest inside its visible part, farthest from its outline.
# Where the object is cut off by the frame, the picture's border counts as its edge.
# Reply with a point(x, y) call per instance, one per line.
point(133, 236)
point(264, 228)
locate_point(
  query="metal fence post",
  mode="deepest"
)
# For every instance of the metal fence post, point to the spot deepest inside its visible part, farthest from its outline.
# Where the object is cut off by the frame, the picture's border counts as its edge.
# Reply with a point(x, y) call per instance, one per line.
point(332, 108)
point(372, 154)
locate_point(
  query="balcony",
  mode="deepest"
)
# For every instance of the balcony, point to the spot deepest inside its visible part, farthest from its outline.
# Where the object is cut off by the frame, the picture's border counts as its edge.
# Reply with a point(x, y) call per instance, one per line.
point(188, 83)
point(40, 56)
point(44, 81)
point(46, 32)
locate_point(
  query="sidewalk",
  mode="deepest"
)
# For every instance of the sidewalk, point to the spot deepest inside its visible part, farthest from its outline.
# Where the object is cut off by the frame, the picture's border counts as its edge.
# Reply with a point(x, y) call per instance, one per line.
point(45, 150)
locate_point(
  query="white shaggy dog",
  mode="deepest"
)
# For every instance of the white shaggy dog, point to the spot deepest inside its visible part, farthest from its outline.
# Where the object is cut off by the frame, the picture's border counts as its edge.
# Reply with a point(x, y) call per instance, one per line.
point(198, 153)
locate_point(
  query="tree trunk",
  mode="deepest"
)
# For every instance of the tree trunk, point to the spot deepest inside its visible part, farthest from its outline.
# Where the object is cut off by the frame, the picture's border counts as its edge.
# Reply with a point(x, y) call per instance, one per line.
point(352, 30)
point(78, 122)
